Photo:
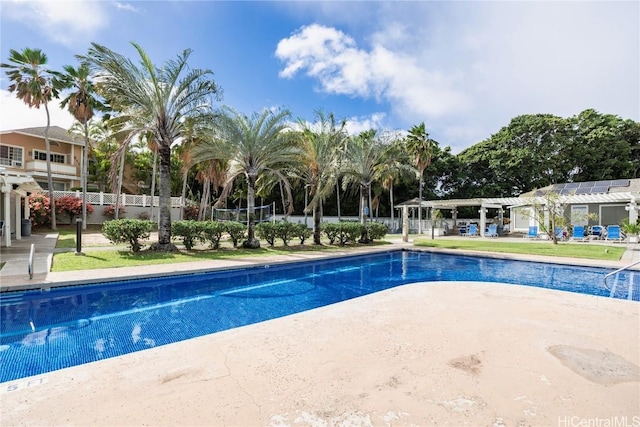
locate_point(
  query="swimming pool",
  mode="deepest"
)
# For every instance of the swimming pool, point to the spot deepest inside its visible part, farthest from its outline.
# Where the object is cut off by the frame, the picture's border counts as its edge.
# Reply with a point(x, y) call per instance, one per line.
point(42, 331)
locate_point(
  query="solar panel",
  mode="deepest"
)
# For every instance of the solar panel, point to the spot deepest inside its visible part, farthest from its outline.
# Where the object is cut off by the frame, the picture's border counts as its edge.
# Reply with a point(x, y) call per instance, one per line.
point(583, 191)
point(620, 183)
point(600, 189)
point(571, 185)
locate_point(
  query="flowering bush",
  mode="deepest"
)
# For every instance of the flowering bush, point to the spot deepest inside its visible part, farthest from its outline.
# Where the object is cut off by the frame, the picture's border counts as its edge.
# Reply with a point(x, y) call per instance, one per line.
point(71, 206)
point(110, 211)
point(40, 207)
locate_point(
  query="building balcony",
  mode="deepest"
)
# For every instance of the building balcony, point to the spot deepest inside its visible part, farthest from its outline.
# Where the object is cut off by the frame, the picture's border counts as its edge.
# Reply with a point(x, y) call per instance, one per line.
point(57, 168)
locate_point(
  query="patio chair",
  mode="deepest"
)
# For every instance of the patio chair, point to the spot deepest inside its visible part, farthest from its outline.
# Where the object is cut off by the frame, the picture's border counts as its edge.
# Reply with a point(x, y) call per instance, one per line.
point(473, 230)
point(463, 230)
point(492, 231)
point(578, 233)
point(561, 234)
point(533, 232)
point(597, 231)
point(614, 234)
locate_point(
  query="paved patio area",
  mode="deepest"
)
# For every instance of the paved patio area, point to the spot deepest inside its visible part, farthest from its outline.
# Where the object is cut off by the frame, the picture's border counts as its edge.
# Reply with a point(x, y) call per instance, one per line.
point(422, 354)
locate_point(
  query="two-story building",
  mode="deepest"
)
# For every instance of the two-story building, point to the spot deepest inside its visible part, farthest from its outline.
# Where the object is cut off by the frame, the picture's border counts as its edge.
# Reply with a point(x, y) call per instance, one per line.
point(23, 170)
point(23, 151)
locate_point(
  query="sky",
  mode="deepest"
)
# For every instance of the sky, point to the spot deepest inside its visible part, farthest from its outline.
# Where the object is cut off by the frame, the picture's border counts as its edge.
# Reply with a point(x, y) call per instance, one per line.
point(465, 69)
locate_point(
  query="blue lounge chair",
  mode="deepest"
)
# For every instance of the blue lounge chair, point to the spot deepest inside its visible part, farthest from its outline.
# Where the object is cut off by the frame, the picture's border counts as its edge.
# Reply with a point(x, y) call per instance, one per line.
point(578, 233)
point(463, 230)
point(613, 233)
point(597, 231)
point(533, 232)
point(473, 230)
point(492, 231)
point(560, 233)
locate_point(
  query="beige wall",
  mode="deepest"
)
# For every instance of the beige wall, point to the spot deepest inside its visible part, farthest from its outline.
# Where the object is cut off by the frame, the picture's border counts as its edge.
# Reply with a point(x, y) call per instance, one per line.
point(67, 173)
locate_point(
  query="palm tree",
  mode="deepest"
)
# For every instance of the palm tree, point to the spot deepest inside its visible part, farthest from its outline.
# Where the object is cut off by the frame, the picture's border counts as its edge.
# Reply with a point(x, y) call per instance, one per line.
point(253, 147)
point(321, 143)
point(394, 169)
point(420, 147)
point(33, 84)
point(157, 99)
point(365, 160)
point(81, 103)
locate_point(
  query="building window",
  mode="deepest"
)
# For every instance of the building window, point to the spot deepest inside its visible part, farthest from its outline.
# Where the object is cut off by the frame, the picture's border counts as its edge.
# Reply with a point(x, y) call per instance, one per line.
point(55, 158)
point(10, 156)
point(57, 186)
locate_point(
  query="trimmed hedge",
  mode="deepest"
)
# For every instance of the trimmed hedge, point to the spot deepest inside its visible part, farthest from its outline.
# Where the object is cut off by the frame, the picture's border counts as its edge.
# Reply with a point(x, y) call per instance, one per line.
point(286, 231)
point(348, 232)
point(128, 231)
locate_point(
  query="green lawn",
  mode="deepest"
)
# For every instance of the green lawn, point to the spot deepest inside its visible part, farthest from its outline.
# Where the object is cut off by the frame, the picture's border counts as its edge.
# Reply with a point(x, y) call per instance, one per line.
point(113, 258)
point(562, 249)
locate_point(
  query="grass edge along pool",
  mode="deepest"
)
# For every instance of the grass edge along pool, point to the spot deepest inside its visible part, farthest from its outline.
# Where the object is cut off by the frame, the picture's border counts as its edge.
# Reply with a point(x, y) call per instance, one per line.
point(68, 326)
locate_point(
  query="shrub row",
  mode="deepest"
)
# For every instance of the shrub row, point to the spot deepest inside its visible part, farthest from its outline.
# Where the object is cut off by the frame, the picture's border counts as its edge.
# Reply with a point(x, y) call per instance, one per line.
point(286, 231)
point(349, 232)
point(211, 232)
point(132, 231)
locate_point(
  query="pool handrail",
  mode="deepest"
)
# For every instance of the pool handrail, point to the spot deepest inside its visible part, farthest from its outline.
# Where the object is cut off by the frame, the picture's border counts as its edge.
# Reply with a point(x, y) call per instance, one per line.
point(626, 267)
point(31, 255)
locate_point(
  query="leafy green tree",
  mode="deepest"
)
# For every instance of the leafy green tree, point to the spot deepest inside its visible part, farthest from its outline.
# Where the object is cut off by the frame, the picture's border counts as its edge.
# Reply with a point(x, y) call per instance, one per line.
point(33, 84)
point(321, 144)
point(155, 99)
point(252, 146)
point(602, 146)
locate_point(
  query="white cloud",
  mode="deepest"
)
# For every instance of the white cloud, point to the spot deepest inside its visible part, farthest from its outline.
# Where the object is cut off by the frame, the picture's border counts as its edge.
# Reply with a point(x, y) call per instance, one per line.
point(355, 125)
point(467, 68)
point(14, 114)
point(67, 22)
point(126, 6)
point(342, 68)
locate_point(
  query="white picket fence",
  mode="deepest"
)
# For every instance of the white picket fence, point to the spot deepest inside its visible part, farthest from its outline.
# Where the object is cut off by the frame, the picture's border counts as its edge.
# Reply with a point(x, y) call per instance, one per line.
point(105, 199)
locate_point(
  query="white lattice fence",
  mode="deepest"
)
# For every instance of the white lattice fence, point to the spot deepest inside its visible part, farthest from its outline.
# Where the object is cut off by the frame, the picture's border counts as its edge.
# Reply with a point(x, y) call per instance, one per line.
point(102, 199)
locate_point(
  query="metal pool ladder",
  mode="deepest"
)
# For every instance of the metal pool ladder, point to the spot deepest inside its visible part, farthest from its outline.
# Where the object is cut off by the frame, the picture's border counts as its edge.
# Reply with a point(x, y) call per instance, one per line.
point(626, 267)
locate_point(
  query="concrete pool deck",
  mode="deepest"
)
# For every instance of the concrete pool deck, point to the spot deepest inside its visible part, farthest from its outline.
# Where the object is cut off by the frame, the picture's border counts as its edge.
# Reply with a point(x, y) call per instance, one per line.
point(420, 354)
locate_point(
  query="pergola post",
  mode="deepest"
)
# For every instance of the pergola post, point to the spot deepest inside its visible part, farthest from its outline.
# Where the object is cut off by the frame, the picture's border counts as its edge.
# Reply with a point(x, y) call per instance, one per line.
point(7, 215)
point(483, 220)
point(632, 208)
point(405, 223)
point(18, 213)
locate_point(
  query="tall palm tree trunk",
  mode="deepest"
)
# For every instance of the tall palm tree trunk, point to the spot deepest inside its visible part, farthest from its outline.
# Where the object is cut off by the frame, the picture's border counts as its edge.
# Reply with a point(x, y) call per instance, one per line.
point(164, 224)
point(251, 241)
point(370, 205)
point(116, 207)
point(85, 159)
point(52, 200)
point(420, 205)
point(338, 197)
point(153, 181)
point(185, 176)
point(392, 207)
point(316, 224)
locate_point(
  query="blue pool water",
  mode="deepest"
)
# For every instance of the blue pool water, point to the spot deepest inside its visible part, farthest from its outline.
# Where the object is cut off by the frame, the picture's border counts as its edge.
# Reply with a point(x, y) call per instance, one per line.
point(43, 331)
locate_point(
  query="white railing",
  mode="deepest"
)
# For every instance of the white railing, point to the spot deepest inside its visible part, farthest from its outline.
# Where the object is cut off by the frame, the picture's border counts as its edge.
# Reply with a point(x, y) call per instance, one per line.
point(37, 165)
point(102, 199)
